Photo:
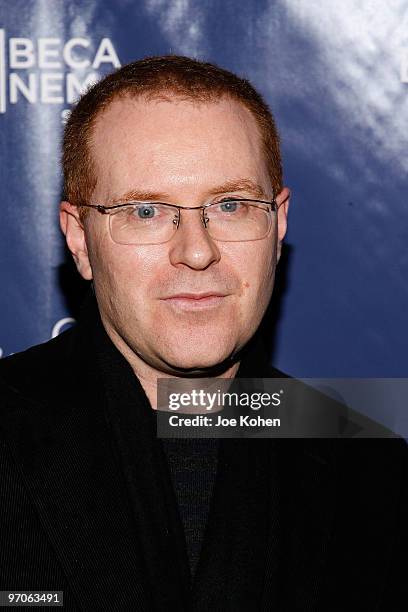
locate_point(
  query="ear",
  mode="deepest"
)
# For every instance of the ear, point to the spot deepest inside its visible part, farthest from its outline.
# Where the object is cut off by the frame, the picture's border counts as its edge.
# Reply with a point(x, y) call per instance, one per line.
point(74, 233)
point(282, 201)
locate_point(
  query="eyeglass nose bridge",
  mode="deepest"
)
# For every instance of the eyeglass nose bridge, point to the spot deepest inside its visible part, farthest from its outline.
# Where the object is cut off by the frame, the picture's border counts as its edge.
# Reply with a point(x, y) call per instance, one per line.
point(204, 218)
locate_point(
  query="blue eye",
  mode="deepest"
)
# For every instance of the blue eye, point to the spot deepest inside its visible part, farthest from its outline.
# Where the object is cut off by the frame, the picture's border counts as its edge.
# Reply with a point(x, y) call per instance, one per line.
point(146, 212)
point(228, 206)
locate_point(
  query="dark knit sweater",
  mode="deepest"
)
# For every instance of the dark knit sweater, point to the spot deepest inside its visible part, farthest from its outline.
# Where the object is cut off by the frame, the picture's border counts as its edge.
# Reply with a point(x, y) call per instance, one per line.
point(193, 467)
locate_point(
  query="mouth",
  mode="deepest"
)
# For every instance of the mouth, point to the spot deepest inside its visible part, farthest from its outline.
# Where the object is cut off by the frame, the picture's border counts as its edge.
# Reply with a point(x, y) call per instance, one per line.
point(195, 301)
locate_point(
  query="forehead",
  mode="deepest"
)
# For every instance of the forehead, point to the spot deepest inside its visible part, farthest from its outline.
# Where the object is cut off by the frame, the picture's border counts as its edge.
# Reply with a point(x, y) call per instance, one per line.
point(175, 144)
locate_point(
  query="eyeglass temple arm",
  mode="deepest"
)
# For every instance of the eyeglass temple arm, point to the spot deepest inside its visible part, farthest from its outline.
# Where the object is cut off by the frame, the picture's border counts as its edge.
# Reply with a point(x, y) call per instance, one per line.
point(102, 209)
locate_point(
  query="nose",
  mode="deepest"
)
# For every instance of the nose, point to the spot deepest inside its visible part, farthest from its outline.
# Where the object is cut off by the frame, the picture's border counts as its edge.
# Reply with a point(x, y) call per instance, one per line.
point(191, 245)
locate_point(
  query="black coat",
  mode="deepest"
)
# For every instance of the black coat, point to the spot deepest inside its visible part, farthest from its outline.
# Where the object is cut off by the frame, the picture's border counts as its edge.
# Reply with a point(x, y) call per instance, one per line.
point(87, 505)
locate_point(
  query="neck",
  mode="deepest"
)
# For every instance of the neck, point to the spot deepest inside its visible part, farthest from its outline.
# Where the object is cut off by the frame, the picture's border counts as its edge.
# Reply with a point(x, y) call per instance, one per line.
point(148, 374)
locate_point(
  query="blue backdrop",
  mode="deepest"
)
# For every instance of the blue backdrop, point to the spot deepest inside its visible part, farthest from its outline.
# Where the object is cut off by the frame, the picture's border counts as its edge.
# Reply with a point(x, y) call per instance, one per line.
point(335, 74)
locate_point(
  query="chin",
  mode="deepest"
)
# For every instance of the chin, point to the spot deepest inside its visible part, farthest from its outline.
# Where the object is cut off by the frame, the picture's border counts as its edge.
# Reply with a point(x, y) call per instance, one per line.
point(199, 363)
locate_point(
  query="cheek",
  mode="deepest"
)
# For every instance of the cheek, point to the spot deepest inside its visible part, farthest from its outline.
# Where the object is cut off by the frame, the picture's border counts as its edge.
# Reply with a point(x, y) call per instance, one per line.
point(121, 272)
point(257, 273)
point(129, 274)
point(256, 269)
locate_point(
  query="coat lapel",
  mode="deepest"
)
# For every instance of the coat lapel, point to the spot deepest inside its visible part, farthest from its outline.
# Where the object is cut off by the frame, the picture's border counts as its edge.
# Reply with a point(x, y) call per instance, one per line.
point(65, 456)
point(230, 571)
point(302, 487)
point(307, 510)
point(64, 439)
point(148, 480)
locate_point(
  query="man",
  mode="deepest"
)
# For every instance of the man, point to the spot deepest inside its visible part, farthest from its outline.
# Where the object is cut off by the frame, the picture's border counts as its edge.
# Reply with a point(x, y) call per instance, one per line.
point(175, 210)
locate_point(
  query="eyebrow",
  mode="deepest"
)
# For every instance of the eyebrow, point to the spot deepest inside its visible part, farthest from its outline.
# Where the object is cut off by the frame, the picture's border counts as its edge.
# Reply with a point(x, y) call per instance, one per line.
point(235, 185)
point(244, 184)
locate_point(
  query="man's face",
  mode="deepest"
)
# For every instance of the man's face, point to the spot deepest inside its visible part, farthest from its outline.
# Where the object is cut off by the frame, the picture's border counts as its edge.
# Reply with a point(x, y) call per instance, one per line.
point(180, 153)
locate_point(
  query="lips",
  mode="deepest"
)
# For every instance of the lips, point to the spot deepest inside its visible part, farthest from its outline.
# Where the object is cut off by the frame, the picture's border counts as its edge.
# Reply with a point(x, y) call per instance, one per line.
point(194, 296)
point(195, 301)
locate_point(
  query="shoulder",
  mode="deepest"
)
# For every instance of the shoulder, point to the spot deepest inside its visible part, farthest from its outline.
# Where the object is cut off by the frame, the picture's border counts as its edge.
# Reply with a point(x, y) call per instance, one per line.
point(375, 457)
point(31, 371)
point(51, 366)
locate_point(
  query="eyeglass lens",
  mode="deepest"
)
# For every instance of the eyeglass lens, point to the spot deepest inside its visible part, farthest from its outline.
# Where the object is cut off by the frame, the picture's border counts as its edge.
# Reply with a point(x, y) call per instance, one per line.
point(155, 223)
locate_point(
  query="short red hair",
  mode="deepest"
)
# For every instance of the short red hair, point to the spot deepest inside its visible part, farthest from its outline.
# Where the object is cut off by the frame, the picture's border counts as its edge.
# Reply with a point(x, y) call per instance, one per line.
point(159, 77)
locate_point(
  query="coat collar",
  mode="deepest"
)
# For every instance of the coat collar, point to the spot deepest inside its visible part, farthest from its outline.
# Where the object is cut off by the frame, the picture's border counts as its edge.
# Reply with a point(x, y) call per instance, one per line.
point(273, 504)
point(61, 440)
